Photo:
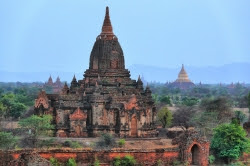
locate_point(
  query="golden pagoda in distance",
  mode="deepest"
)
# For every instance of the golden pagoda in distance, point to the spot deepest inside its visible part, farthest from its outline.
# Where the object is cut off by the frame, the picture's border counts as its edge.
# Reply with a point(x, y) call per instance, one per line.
point(182, 82)
point(182, 76)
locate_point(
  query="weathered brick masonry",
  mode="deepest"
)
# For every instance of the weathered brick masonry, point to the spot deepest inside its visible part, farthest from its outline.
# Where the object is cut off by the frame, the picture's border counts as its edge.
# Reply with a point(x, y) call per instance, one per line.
point(188, 148)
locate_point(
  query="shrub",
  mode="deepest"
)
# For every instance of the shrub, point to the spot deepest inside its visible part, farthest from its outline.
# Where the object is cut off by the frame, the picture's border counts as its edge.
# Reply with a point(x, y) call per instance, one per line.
point(97, 162)
point(159, 163)
point(75, 144)
point(54, 162)
point(117, 161)
point(46, 143)
point(72, 144)
point(176, 162)
point(127, 160)
point(121, 142)
point(211, 159)
point(238, 163)
point(106, 140)
point(71, 162)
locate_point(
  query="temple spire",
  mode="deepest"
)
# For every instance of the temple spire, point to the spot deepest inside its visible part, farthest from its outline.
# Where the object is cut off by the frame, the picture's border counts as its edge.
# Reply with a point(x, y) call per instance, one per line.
point(107, 30)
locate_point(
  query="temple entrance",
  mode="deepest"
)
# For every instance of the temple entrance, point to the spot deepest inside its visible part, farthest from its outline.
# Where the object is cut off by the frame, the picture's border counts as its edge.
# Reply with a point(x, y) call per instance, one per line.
point(134, 127)
point(195, 155)
point(78, 130)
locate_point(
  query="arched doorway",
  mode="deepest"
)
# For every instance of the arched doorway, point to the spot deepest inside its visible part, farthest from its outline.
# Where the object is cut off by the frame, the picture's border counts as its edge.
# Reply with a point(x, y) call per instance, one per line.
point(134, 127)
point(78, 130)
point(195, 155)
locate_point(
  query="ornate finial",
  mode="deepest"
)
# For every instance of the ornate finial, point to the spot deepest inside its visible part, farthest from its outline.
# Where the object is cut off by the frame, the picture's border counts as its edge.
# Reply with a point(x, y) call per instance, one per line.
point(74, 78)
point(182, 67)
point(139, 81)
point(107, 30)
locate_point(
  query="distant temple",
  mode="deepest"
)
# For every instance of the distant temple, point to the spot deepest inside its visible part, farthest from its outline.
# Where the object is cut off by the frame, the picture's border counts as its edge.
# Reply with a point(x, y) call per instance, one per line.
point(105, 100)
point(56, 87)
point(182, 82)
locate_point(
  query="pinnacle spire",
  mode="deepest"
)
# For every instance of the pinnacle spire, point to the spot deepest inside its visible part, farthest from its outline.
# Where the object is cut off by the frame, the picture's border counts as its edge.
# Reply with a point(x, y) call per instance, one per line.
point(50, 81)
point(139, 80)
point(107, 30)
point(183, 70)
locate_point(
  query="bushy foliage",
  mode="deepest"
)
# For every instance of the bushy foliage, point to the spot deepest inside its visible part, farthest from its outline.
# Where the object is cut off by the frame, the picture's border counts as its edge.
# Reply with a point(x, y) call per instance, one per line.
point(211, 159)
point(106, 141)
point(127, 160)
point(46, 143)
point(97, 162)
point(189, 101)
point(229, 141)
point(71, 162)
point(10, 106)
point(221, 105)
point(240, 115)
point(121, 142)
point(15, 98)
point(75, 144)
point(238, 163)
point(176, 163)
point(54, 162)
point(7, 140)
point(165, 99)
point(72, 144)
point(164, 116)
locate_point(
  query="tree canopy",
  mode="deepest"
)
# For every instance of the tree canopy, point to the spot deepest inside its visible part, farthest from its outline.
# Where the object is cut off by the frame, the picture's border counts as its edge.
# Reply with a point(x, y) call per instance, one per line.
point(37, 125)
point(183, 117)
point(165, 117)
point(7, 140)
point(229, 141)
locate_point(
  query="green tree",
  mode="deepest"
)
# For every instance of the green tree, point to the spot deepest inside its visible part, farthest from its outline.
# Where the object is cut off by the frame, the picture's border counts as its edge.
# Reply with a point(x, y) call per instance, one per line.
point(12, 107)
point(7, 140)
point(165, 117)
point(183, 117)
point(229, 141)
point(240, 115)
point(17, 109)
point(189, 101)
point(3, 109)
point(37, 125)
point(220, 105)
point(165, 99)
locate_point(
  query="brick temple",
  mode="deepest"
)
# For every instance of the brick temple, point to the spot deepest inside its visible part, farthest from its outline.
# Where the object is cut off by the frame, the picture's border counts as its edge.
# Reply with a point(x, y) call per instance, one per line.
point(105, 100)
point(56, 86)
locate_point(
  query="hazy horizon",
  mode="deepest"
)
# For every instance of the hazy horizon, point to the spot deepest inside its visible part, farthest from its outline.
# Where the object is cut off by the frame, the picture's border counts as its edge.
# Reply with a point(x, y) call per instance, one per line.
point(235, 72)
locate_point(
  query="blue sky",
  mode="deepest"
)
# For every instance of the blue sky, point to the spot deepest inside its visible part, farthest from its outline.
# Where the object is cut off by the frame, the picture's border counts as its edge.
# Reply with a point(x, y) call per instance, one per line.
point(58, 35)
